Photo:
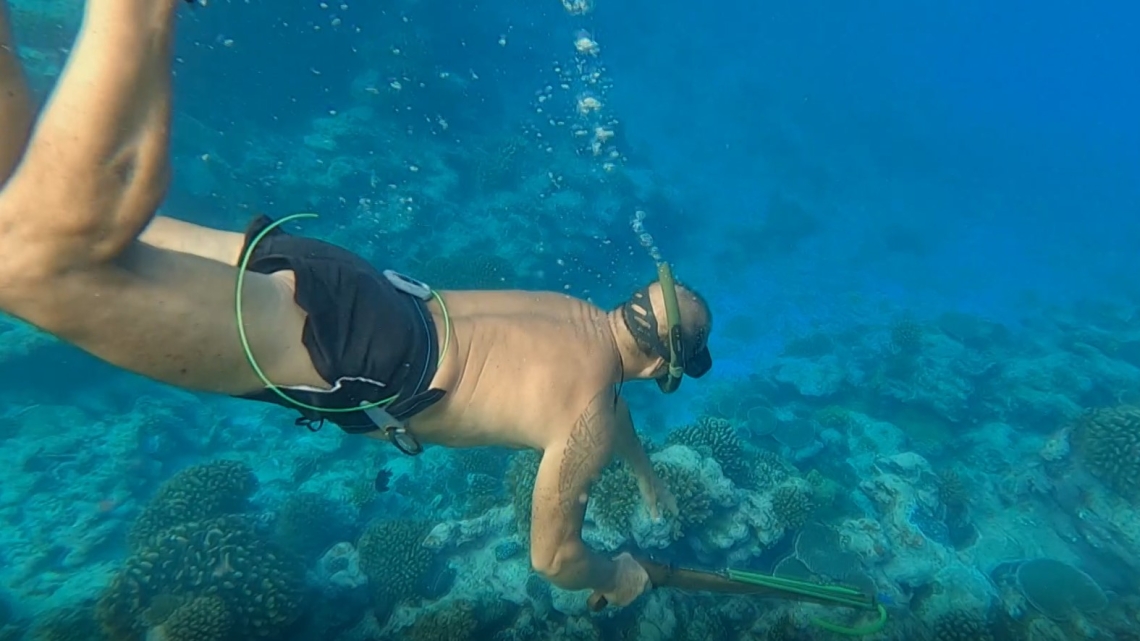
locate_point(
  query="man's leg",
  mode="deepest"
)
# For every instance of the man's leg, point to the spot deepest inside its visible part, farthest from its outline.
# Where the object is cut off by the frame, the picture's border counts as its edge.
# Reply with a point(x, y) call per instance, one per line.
point(99, 160)
point(15, 101)
point(16, 115)
point(90, 181)
point(188, 238)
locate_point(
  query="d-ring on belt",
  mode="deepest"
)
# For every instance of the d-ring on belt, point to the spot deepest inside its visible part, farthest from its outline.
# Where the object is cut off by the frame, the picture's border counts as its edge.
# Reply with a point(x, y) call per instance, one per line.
point(392, 419)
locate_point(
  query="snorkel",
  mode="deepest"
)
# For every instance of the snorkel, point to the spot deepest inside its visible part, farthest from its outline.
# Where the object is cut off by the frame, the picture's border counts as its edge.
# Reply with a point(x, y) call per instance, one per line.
point(676, 372)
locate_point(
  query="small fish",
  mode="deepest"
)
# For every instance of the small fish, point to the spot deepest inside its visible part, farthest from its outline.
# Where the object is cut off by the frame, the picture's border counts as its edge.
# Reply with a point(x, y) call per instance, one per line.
point(382, 478)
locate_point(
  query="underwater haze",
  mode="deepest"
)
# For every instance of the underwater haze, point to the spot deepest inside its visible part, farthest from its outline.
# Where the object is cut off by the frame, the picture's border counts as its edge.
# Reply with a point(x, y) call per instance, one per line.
point(917, 227)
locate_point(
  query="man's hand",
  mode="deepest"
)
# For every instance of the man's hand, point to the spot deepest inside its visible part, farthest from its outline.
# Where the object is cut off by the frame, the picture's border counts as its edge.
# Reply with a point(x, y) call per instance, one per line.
point(656, 495)
point(630, 581)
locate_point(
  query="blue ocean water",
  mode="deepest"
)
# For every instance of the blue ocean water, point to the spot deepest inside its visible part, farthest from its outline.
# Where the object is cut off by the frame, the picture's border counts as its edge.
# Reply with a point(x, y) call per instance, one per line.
point(915, 225)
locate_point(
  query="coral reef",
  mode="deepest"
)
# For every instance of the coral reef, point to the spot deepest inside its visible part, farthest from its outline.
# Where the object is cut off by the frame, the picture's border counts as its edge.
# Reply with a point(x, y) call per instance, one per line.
point(717, 438)
point(956, 466)
point(793, 505)
point(694, 506)
point(455, 621)
point(1041, 581)
point(194, 494)
point(519, 480)
point(308, 523)
point(961, 625)
point(204, 618)
point(394, 559)
point(1109, 441)
point(614, 497)
point(260, 585)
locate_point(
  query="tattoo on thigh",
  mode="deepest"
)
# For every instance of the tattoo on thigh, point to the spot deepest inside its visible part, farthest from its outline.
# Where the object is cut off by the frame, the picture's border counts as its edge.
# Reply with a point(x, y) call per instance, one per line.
point(586, 452)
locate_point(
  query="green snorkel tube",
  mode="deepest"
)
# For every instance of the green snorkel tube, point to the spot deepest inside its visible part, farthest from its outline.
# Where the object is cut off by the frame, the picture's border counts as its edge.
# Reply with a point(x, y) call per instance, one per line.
point(676, 374)
point(764, 585)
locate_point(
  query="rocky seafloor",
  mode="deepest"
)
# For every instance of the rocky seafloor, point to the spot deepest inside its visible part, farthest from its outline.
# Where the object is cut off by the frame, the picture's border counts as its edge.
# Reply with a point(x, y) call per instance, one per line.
point(980, 480)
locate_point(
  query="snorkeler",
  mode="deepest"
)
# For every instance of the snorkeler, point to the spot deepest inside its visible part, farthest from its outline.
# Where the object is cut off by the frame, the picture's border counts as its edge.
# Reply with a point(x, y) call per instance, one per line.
point(311, 325)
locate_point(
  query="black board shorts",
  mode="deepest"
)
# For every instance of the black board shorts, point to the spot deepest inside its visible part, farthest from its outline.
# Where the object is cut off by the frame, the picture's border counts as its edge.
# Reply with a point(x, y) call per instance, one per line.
point(368, 339)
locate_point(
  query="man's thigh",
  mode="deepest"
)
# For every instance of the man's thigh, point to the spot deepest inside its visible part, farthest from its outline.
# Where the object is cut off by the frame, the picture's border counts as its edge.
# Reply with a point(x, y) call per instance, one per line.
point(171, 316)
point(188, 238)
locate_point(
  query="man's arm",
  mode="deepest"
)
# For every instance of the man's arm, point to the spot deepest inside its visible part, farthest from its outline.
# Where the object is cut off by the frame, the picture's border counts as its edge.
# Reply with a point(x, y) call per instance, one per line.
point(630, 449)
point(628, 445)
point(560, 493)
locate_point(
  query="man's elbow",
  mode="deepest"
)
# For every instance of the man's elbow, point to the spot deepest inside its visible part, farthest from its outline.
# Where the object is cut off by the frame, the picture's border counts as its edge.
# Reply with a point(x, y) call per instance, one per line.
point(558, 566)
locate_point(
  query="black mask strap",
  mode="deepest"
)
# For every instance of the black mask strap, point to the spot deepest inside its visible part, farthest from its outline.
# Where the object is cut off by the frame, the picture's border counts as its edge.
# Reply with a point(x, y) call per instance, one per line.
point(637, 314)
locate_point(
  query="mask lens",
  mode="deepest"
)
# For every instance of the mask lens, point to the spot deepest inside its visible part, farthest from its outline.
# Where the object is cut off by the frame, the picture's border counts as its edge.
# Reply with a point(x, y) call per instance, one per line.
point(699, 364)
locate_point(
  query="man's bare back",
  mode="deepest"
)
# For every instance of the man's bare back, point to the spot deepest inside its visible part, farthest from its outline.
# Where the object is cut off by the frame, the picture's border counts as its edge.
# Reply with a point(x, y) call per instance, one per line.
point(519, 358)
point(86, 259)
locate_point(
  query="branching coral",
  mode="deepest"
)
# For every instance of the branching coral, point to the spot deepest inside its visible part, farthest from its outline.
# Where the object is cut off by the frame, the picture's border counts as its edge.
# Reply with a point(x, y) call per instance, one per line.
point(833, 416)
point(717, 438)
point(693, 505)
point(394, 559)
point(769, 470)
point(204, 618)
point(483, 492)
point(308, 464)
point(308, 523)
point(952, 493)
point(260, 585)
point(477, 479)
point(194, 494)
point(360, 493)
point(615, 497)
point(485, 461)
point(521, 473)
point(961, 625)
point(1109, 440)
point(825, 490)
point(906, 337)
point(793, 505)
point(454, 622)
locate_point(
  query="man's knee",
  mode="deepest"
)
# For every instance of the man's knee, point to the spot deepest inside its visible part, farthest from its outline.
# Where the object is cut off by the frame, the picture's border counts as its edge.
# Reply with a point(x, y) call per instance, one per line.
point(32, 256)
point(72, 219)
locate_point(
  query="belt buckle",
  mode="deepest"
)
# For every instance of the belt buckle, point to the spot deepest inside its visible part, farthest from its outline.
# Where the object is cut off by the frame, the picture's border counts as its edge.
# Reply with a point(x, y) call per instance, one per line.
point(408, 285)
point(394, 430)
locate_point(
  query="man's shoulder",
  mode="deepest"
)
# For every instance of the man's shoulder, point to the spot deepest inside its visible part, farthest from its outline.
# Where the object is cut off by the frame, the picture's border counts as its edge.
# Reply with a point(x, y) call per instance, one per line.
point(546, 300)
point(517, 303)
